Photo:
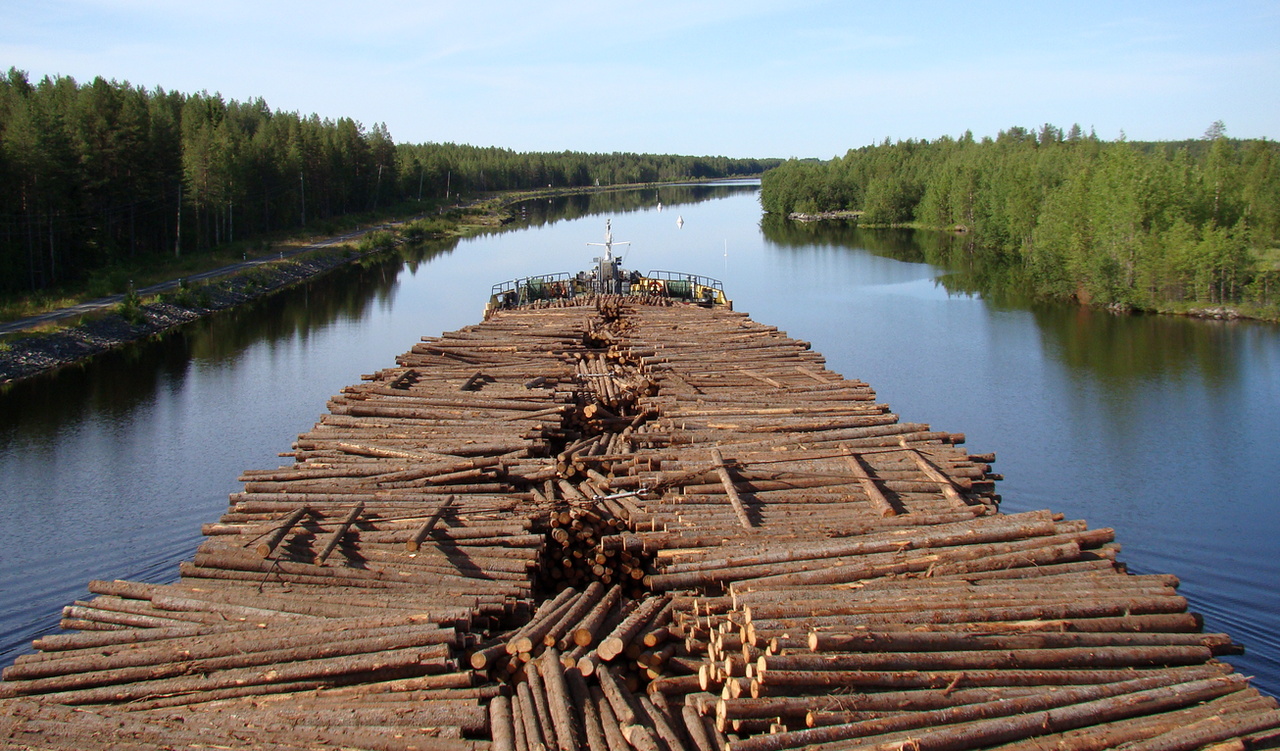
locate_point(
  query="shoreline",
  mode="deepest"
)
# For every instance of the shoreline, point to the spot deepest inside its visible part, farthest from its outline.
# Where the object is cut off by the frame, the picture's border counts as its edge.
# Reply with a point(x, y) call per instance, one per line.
point(1204, 312)
point(33, 355)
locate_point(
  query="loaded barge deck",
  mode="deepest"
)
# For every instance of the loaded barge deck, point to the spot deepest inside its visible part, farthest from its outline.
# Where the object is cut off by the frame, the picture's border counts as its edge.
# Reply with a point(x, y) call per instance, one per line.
point(616, 522)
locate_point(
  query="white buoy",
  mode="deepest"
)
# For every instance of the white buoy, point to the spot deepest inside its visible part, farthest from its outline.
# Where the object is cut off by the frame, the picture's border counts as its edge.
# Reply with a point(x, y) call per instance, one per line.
point(680, 221)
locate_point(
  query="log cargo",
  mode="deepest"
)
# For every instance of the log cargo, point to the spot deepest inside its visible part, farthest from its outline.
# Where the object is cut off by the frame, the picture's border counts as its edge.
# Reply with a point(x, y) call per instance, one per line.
point(610, 521)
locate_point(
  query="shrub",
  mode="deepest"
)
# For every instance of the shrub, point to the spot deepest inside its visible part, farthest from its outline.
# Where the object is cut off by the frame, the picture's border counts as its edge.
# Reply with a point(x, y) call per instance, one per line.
point(130, 308)
point(376, 241)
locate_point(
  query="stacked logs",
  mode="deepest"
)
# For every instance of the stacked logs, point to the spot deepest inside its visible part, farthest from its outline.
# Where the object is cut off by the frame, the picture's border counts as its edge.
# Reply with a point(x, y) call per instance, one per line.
point(406, 530)
point(588, 629)
point(607, 524)
point(575, 553)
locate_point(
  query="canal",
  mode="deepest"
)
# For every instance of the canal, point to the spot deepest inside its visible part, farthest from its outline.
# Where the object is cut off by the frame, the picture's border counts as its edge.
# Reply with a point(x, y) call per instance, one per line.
point(1164, 428)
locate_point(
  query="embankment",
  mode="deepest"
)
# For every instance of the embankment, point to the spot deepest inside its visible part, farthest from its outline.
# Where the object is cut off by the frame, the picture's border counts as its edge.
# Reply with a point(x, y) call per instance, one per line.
point(38, 353)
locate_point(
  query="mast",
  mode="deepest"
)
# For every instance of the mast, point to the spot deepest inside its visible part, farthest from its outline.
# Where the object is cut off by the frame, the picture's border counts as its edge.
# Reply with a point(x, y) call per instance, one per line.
point(608, 277)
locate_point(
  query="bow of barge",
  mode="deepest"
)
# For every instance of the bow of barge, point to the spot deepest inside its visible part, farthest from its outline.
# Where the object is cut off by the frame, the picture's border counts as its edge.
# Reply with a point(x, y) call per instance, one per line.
point(607, 277)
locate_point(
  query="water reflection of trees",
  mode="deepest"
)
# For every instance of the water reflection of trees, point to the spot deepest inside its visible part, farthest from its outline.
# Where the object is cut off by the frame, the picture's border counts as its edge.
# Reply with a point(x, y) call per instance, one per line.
point(995, 279)
point(1126, 349)
point(112, 384)
point(537, 212)
point(116, 382)
point(347, 293)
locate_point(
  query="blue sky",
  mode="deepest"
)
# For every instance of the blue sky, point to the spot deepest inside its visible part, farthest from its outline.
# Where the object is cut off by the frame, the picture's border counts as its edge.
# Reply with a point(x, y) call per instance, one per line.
point(746, 78)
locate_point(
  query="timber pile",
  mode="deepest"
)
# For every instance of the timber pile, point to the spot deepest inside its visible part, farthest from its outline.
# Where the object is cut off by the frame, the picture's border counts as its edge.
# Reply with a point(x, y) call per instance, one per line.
point(613, 524)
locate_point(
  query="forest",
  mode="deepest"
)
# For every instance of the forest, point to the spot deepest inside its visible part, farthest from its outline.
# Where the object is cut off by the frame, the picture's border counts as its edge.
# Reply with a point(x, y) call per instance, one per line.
point(103, 173)
point(1155, 225)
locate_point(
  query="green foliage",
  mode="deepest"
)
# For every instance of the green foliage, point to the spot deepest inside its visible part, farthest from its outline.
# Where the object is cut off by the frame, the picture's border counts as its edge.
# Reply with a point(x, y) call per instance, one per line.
point(109, 281)
point(448, 170)
point(255, 279)
point(806, 187)
point(372, 242)
point(184, 296)
point(105, 174)
point(891, 199)
point(423, 229)
point(1137, 224)
point(130, 308)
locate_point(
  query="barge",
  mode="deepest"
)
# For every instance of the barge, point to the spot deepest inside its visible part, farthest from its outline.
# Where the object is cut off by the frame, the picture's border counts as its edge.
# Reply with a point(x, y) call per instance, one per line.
point(631, 520)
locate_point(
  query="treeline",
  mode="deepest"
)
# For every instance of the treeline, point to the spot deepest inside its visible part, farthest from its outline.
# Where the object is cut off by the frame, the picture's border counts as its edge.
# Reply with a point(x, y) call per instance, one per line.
point(438, 168)
point(1140, 224)
point(102, 173)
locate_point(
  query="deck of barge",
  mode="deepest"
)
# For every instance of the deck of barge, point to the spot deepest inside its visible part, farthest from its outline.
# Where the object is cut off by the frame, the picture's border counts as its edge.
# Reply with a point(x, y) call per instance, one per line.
point(621, 524)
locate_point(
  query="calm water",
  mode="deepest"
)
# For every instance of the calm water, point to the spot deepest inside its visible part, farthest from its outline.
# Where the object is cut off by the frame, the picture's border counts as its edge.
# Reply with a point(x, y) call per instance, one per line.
point(1163, 428)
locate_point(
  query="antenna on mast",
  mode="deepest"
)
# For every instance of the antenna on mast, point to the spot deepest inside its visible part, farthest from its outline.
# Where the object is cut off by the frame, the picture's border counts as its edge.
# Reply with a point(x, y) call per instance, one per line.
point(608, 240)
point(608, 276)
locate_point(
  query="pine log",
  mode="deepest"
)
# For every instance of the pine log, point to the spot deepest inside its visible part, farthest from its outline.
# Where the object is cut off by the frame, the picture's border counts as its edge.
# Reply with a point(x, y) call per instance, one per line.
point(432, 519)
